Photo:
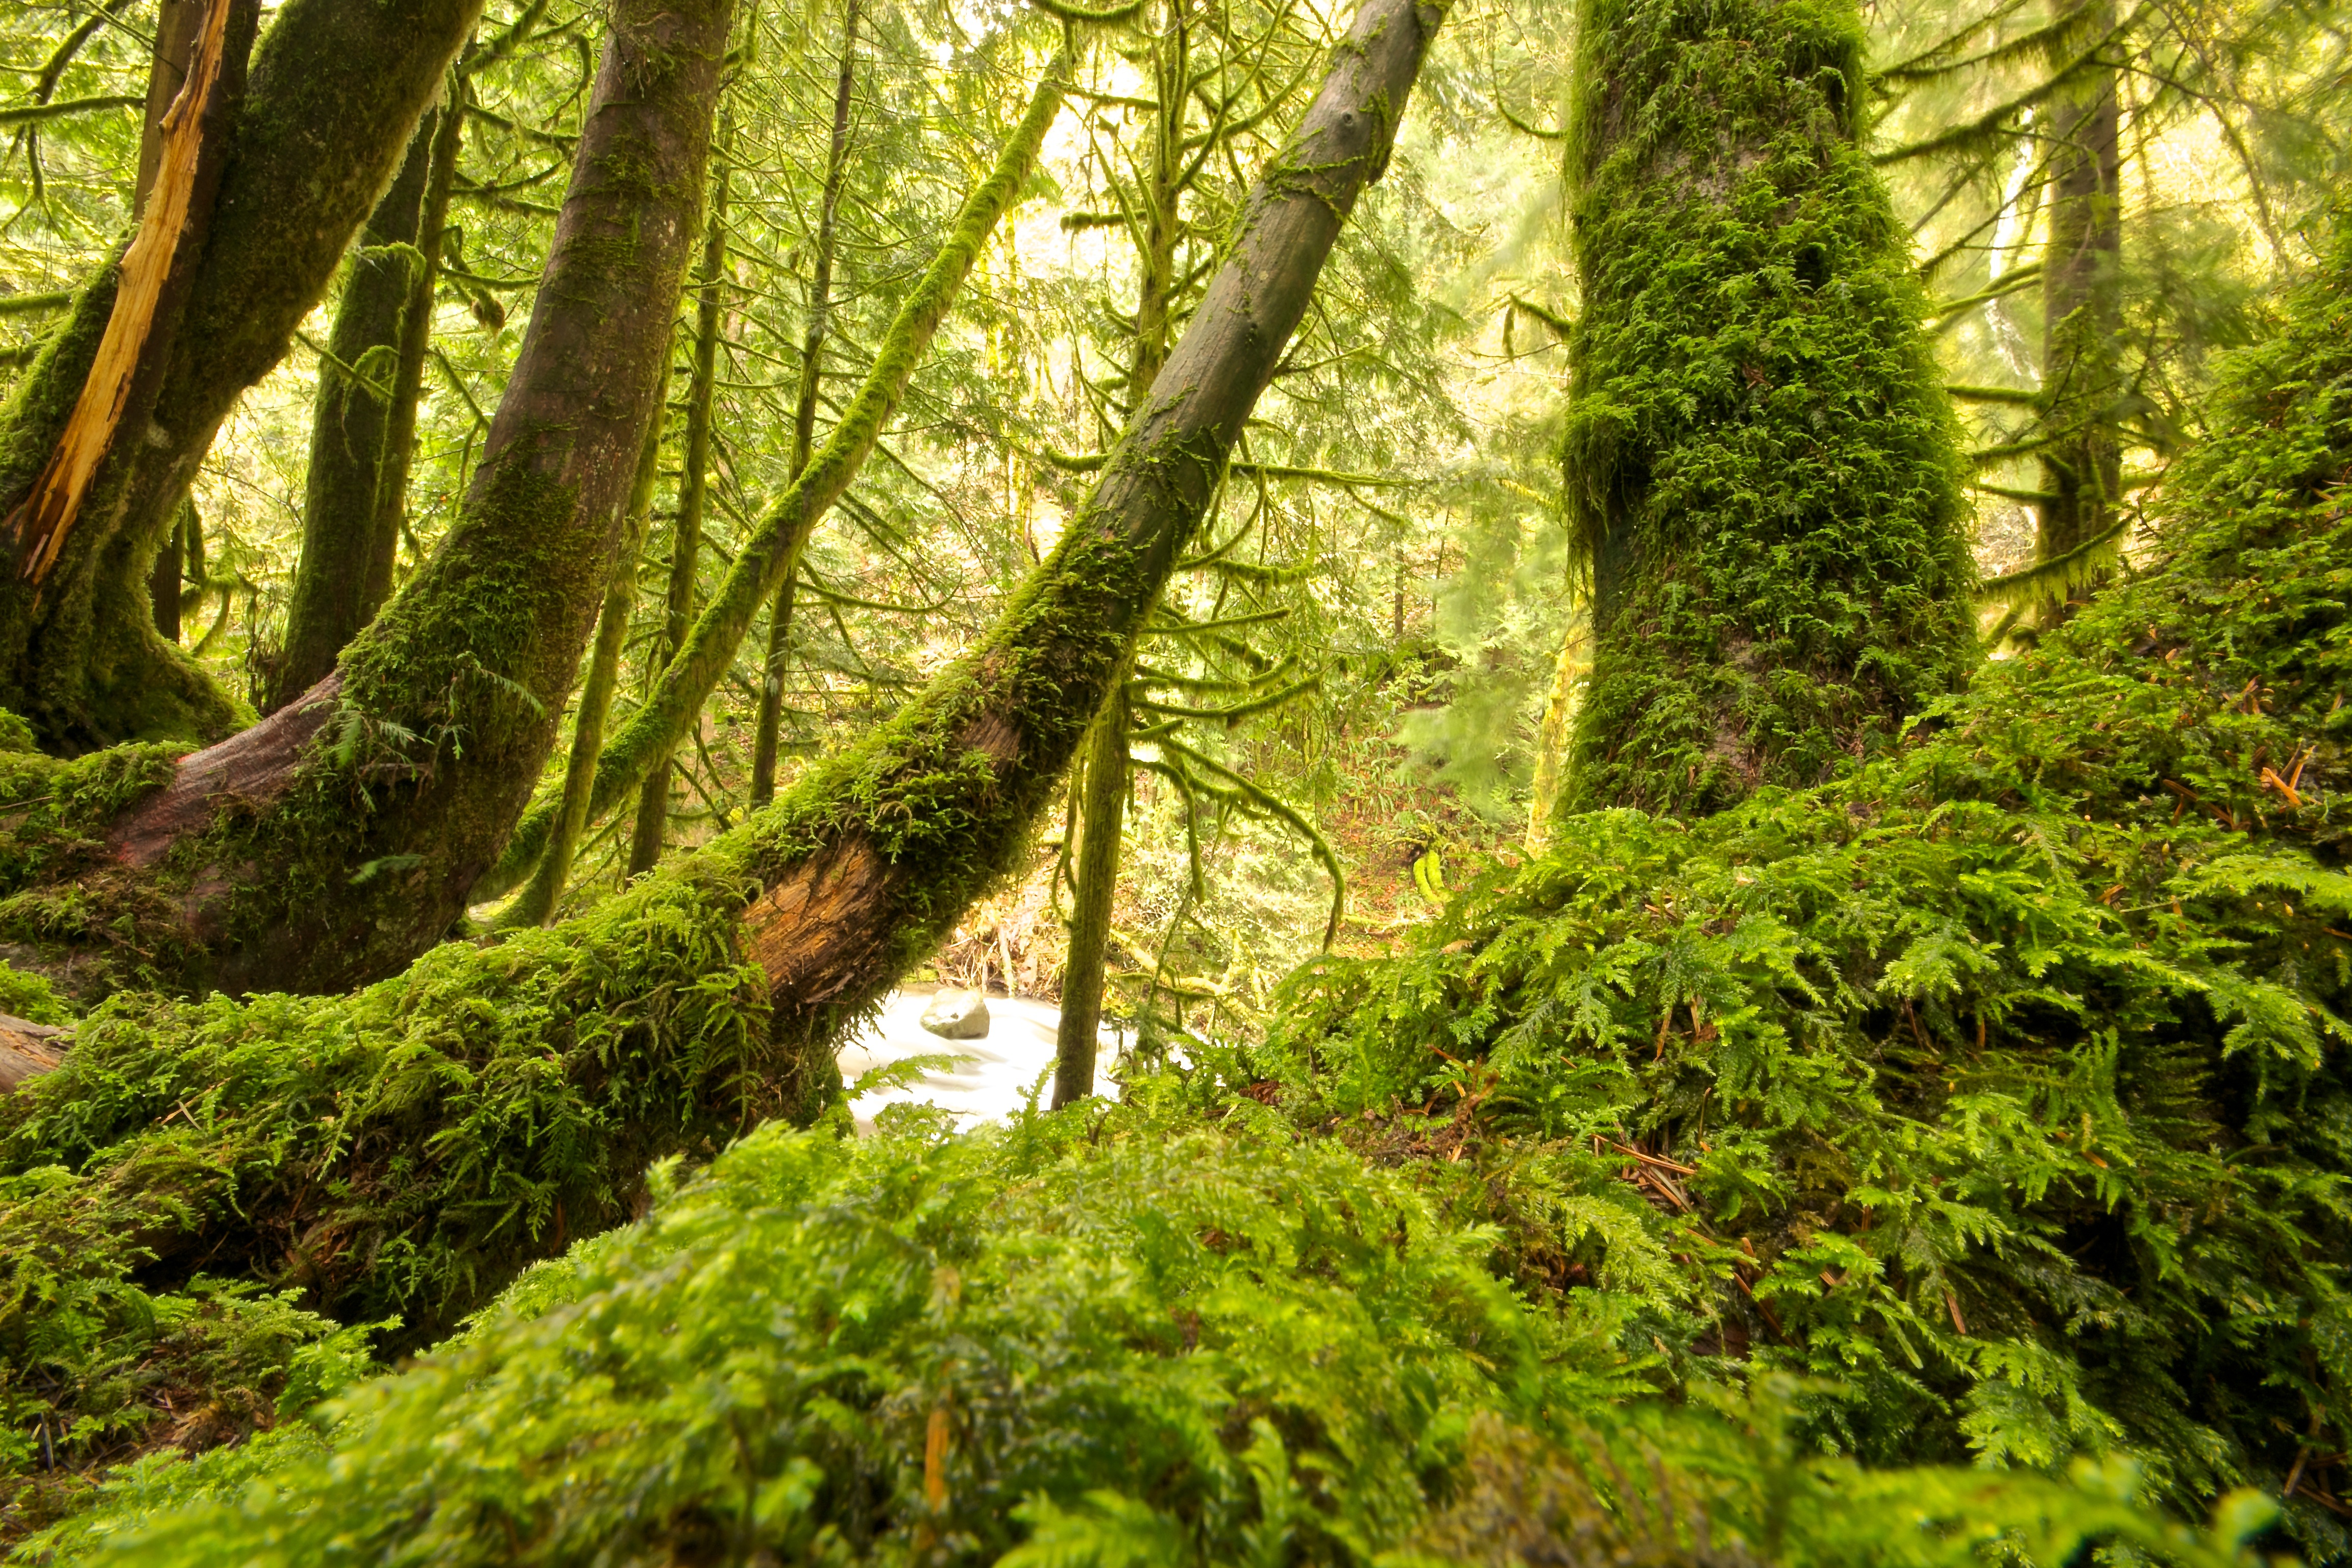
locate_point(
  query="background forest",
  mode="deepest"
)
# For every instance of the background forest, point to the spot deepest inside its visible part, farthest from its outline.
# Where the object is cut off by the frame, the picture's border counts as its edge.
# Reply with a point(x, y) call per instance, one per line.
point(1719, 829)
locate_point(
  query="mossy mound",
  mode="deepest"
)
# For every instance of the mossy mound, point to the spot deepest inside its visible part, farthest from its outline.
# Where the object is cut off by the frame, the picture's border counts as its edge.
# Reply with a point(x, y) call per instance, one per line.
point(1076, 1341)
point(2003, 1081)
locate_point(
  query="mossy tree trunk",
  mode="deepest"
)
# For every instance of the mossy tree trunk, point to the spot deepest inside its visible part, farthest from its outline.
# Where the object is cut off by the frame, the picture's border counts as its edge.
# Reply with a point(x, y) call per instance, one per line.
point(398, 453)
point(1759, 456)
point(535, 905)
point(2082, 381)
point(336, 839)
point(768, 732)
point(330, 602)
point(283, 176)
point(1102, 816)
point(652, 827)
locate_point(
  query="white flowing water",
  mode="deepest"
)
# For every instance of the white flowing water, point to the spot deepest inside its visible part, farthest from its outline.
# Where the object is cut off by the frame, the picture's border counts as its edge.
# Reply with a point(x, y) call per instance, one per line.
point(993, 1075)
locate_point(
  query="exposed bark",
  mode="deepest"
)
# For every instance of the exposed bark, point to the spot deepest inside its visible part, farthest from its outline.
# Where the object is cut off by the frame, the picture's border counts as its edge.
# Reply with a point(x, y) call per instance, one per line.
point(668, 715)
point(330, 600)
point(315, 867)
point(768, 733)
point(693, 494)
point(156, 272)
point(2081, 470)
point(1760, 454)
point(334, 92)
point(1102, 816)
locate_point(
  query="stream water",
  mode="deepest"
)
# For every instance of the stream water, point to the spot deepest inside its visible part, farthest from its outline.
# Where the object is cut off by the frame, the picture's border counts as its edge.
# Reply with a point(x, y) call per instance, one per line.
point(993, 1076)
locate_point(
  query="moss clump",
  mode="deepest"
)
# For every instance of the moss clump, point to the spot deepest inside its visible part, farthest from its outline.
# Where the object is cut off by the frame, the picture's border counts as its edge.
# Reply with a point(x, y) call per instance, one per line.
point(1761, 460)
point(1071, 1341)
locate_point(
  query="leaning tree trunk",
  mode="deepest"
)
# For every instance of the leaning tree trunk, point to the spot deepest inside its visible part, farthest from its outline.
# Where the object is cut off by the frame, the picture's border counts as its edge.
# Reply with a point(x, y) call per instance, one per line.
point(1760, 454)
point(407, 1150)
point(330, 602)
point(251, 217)
point(2081, 468)
point(335, 840)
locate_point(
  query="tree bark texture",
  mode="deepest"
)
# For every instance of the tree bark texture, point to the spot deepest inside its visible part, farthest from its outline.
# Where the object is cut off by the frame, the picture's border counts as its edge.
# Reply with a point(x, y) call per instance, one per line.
point(330, 600)
point(335, 840)
point(668, 715)
point(535, 905)
point(2082, 309)
point(334, 94)
point(408, 1149)
point(652, 826)
point(1759, 456)
point(769, 731)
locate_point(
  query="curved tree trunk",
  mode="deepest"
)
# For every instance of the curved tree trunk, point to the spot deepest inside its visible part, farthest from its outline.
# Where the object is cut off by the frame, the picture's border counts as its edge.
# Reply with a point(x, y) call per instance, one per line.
point(336, 839)
point(1760, 454)
point(330, 602)
point(278, 186)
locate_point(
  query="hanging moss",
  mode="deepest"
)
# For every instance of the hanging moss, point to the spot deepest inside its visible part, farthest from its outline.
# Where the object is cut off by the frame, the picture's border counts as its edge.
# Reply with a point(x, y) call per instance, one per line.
point(1761, 460)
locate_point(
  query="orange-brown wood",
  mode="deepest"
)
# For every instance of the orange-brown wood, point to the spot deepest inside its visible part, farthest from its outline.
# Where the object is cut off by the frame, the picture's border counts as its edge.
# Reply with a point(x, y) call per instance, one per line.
point(42, 525)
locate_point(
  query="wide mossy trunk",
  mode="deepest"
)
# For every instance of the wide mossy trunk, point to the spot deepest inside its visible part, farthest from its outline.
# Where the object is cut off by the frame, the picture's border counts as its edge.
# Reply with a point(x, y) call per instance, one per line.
point(296, 163)
point(407, 1150)
point(1759, 456)
point(330, 602)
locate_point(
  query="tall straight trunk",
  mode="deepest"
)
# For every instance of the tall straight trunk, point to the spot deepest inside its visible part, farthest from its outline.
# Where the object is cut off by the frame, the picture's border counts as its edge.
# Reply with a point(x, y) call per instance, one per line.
point(1759, 456)
point(398, 453)
point(769, 732)
point(1102, 817)
point(496, 1103)
point(670, 712)
point(536, 903)
point(330, 602)
point(693, 493)
point(327, 865)
point(2081, 470)
point(1102, 812)
point(280, 179)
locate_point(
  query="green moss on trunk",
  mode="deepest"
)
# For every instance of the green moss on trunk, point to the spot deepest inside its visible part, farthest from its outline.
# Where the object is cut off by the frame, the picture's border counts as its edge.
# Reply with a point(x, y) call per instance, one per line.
point(1761, 460)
